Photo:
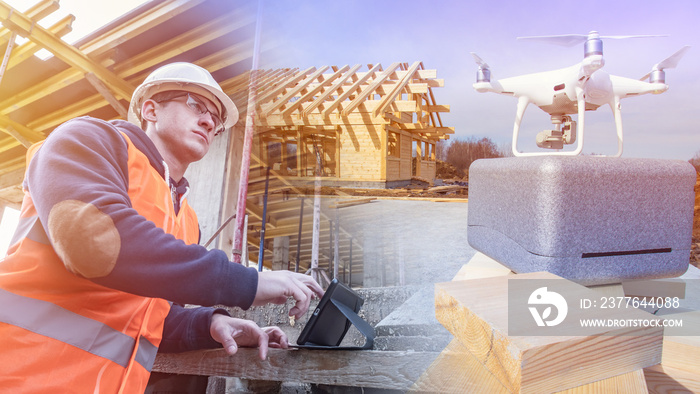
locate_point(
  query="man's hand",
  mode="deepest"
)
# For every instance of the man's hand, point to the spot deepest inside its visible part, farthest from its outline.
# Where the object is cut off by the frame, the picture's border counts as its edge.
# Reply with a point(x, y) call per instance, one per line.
point(276, 286)
point(233, 333)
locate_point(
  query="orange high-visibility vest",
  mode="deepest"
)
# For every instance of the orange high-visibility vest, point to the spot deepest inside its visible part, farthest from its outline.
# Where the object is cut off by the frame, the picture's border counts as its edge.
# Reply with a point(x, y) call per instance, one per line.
point(64, 333)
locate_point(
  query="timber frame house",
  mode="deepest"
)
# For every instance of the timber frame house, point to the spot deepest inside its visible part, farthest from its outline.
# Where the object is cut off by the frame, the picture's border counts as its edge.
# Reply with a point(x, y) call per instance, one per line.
point(372, 128)
point(364, 127)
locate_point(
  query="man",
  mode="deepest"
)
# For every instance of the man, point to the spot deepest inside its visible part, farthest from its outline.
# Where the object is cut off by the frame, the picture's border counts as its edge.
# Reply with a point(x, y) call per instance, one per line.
point(106, 249)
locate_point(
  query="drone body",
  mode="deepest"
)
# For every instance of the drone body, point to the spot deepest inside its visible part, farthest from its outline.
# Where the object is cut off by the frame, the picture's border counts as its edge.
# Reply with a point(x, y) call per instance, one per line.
point(573, 90)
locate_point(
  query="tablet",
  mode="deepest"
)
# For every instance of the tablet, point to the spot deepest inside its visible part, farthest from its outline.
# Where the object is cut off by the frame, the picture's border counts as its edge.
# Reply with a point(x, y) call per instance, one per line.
point(332, 318)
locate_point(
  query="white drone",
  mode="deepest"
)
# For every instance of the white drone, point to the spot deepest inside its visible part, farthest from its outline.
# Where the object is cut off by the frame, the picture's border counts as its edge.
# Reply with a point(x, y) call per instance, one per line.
point(573, 90)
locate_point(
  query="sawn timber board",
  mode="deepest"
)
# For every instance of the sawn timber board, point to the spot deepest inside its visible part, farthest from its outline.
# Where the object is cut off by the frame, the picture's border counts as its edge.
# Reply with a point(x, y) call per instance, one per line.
point(476, 313)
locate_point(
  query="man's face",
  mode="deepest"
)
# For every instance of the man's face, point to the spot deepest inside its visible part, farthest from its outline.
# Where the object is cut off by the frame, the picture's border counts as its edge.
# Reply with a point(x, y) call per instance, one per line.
point(185, 125)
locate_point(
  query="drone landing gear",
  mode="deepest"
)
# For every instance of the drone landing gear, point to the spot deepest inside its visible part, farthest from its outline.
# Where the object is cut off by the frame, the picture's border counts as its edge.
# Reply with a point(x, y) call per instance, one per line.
point(563, 134)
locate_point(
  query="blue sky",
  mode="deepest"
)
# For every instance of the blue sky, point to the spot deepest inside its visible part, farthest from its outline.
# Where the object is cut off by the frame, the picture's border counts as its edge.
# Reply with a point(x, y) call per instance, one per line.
point(442, 34)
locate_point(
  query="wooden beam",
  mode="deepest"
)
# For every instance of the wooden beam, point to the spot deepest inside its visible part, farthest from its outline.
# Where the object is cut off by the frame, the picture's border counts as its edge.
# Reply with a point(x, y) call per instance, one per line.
point(29, 48)
point(420, 74)
point(100, 47)
point(24, 26)
point(107, 94)
point(661, 379)
point(458, 370)
point(355, 86)
point(437, 108)
point(40, 90)
point(152, 13)
point(8, 143)
point(231, 54)
point(256, 212)
point(682, 352)
point(386, 100)
point(49, 121)
point(336, 85)
point(275, 91)
point(293, 91)
point(13, 163)
point(186, 41)
point(11, 179)
point(476, 312)
point(24, 135)
point(312, 91)
point(395, 370)
point(371, 88)
point(36, 13)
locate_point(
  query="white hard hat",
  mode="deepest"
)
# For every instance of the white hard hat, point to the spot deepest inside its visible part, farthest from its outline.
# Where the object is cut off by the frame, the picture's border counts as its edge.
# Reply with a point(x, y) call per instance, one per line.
point(186, 77)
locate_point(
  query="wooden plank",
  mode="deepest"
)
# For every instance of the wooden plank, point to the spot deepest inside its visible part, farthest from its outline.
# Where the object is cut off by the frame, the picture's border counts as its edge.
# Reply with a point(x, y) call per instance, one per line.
point(352, 203)
point(186, 41)
point(378, 369)
point(437, 108)
point(257, 212)
point(342, 97)
point(632, 382)
point(456, 370)
point(666, 380)
point(476, 312)
point(655, 288)
point(29, 48)
point(11, 179)
point(19, 23)
point(386, 100)
point(312, 91)
point(107, 94)
point(420, 74)
point(25, 135)
point(481, 266)
point(369, 89)
point(323, 97)
point(682, 352)
point(276, 90)
point(214, 62)
point(36, 13)
point(295, 90)
point(150, 14)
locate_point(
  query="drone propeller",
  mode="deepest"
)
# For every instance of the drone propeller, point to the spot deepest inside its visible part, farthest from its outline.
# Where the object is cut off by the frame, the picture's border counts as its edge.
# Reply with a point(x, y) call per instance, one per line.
point(669, 62)
point(479, 61)
point(569, 40)
point(484, 72)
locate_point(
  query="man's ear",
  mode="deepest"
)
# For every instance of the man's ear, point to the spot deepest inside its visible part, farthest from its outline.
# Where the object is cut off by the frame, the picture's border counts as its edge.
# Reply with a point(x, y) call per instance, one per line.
point(148, 111)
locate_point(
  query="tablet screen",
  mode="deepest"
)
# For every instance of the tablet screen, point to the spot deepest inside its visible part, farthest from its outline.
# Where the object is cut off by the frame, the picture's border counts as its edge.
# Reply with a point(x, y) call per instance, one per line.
point(328, 325)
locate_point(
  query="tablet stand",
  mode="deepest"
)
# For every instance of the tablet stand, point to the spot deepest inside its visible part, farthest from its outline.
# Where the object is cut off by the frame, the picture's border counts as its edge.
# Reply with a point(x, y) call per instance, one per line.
point(356, 320)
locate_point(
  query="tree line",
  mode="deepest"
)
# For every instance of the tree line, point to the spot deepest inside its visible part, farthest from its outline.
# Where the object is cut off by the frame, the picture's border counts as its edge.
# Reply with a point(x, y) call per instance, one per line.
point(695, 161)
point(461, 153)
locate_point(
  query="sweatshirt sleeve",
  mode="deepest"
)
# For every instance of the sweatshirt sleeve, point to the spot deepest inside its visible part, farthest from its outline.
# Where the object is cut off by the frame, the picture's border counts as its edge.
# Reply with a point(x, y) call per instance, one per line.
point(187, 329)
point(79, 182)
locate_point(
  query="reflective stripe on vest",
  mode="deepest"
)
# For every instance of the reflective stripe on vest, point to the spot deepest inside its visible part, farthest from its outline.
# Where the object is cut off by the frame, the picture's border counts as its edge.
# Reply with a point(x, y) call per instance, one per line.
point(52, 321)
point(30, 227)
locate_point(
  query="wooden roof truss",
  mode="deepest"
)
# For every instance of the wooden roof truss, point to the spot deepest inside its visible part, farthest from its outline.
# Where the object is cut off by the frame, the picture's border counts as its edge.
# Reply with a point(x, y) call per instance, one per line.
point(400, 96)
point(97, 61)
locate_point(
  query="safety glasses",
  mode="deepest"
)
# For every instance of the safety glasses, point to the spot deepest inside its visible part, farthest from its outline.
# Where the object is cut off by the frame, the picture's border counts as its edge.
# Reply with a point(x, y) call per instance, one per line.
point(199, 108)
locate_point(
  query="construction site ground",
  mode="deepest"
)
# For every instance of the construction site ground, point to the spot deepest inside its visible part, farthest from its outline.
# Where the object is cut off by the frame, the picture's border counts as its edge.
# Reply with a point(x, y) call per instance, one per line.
point(455, 189)
point(419, 241)
point(695, 249)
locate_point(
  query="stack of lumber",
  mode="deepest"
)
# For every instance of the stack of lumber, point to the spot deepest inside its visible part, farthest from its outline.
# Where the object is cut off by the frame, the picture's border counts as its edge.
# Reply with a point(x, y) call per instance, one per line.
point(483, 357)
